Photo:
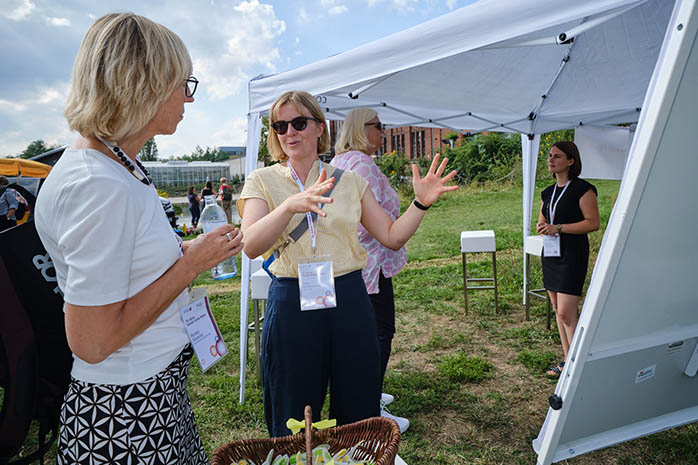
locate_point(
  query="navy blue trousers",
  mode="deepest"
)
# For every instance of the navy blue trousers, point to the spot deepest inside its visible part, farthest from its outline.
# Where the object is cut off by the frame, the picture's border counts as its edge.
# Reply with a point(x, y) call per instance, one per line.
point(384, 308)
point(304, 350)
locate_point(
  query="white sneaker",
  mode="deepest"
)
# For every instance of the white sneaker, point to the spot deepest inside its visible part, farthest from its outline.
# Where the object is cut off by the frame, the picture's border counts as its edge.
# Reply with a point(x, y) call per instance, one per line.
point(386, 398)
point(402, 422)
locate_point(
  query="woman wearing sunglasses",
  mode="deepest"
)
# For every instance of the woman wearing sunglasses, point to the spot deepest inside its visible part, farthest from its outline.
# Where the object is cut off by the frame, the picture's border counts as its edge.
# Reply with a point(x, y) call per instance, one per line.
point(320, 325)
point(362, 136)
point(122, 270)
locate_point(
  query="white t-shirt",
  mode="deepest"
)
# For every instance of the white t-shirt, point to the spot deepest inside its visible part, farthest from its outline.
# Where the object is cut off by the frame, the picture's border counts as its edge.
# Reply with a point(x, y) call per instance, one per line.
point(109, 238)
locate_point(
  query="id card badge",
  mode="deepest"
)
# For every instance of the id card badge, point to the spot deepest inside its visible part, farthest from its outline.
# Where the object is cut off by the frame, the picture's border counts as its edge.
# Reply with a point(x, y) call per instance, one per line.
point(316, 282)
point(202, 329)
point(551, 246)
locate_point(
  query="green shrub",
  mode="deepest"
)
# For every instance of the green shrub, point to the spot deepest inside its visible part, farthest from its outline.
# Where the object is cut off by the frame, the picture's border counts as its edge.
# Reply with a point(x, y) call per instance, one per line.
point(395, 167)
point(463, 368)
point(537, 360)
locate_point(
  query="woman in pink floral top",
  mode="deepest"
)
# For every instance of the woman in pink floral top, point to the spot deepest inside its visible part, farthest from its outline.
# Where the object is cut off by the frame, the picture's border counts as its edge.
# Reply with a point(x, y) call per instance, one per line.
point(362, 135)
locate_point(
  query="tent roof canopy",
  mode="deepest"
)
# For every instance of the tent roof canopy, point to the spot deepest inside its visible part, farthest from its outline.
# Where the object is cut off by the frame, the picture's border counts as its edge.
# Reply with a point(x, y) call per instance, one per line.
point(23, 167)
point(501, 65)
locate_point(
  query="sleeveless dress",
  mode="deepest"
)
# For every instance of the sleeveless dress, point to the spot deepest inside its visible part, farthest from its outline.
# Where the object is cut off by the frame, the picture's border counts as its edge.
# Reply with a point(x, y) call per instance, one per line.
point(566, 273)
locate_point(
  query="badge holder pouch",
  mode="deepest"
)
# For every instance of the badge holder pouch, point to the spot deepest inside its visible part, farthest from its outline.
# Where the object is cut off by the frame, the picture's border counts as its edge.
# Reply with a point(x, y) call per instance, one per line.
point(316, 282)
point(201, 327)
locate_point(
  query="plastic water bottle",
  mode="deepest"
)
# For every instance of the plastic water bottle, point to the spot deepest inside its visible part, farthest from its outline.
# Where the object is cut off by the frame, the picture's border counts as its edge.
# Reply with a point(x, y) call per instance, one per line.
point(212, 217)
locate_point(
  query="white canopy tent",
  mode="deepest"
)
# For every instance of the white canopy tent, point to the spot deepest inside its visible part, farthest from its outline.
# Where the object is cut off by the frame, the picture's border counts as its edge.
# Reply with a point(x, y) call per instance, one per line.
point(496, 65)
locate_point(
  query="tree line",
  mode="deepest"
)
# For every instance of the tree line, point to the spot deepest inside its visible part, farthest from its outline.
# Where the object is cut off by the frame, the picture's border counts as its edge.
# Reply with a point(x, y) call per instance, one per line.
point(149, 152)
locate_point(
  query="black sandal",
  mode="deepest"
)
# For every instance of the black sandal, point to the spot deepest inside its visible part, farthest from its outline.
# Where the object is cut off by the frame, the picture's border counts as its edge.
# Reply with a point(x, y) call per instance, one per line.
point(556, 371)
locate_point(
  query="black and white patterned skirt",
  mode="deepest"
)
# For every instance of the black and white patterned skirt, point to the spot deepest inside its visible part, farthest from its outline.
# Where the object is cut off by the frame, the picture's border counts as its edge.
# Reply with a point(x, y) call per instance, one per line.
point(150, 422)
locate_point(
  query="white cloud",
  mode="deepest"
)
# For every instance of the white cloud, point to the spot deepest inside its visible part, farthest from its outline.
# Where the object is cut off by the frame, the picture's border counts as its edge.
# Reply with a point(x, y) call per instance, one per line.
point(338, 10)
point(58, 21)
point(451, 4)
point(20, 12)
point(12, 105)
point(232, 132)
point(233, 46)
point(303, 17)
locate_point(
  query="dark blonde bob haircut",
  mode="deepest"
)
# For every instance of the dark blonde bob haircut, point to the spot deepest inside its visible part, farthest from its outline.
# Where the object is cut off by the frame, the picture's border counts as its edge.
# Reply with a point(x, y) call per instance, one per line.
point(126, 68)
point(302, 101)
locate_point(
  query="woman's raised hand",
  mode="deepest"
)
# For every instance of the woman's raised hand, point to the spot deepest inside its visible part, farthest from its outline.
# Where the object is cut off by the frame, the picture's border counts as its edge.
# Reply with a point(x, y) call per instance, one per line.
point(308, 200)
point(432, 185)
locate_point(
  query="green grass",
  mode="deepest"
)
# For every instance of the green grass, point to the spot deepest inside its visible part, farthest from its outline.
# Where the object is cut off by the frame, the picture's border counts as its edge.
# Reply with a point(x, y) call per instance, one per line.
point(473, 386)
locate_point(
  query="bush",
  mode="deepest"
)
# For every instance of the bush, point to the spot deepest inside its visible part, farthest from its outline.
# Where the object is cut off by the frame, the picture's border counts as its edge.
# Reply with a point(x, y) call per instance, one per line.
point(394, 166)
point(485, 157)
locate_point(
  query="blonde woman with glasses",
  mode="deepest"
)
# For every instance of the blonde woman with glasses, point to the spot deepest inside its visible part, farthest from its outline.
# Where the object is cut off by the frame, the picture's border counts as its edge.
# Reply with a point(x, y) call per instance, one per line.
point(361, 137)
point(122, 270)
point(320, 326)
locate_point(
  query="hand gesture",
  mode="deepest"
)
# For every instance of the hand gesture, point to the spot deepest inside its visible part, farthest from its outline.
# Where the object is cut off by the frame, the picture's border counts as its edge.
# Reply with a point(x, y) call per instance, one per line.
point(431, 186)
point(308, 200)
point(208, 250)
point(545, 229)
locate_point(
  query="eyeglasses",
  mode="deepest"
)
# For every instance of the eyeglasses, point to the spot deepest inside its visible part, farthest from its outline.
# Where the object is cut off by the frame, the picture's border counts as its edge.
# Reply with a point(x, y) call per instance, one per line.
point(188, 90)
point(378, 125)
point(299, 123)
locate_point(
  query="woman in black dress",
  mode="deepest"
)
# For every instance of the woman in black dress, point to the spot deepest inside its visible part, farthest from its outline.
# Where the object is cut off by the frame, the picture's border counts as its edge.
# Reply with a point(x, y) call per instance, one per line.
point(569, 210)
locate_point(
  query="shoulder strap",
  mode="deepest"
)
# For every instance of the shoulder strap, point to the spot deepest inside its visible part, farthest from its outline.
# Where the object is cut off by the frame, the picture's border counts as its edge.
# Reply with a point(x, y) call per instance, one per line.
point(302, 227)
point(299, 230)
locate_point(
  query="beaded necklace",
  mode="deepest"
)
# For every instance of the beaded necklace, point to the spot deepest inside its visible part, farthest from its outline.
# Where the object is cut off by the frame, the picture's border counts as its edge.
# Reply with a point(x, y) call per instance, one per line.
point(147, 180)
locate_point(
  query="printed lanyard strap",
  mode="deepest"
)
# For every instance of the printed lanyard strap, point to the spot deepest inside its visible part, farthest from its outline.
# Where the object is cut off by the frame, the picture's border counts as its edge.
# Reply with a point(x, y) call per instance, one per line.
point(308, 216)
point(553, 206)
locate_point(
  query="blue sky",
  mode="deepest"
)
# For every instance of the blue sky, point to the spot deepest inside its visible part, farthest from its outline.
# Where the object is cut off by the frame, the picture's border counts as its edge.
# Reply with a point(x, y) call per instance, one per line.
point(230, 42)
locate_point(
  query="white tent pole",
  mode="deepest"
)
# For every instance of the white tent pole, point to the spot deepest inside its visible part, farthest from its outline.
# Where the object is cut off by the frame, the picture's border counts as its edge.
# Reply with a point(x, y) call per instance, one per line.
point(529, 158)
point(254, 129)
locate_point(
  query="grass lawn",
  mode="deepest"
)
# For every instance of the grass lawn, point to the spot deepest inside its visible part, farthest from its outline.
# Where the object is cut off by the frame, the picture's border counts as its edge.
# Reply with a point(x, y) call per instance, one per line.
point(473, 386)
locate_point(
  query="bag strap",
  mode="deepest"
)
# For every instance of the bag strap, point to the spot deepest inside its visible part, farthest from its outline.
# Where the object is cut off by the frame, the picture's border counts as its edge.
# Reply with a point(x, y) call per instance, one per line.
point(299, 230)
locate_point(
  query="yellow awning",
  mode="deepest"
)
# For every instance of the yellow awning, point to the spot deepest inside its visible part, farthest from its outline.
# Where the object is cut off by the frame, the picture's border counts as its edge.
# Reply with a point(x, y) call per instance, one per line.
point(22, 167)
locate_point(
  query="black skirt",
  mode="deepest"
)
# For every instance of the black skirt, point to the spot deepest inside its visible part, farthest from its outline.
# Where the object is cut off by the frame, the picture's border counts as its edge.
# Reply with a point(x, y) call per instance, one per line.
point(566, 274)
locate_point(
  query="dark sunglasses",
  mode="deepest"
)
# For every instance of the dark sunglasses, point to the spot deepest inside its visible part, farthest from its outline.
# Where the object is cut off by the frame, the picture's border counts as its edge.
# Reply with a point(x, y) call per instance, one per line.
point(378, 125)
point(299, 123)
point(188, 90)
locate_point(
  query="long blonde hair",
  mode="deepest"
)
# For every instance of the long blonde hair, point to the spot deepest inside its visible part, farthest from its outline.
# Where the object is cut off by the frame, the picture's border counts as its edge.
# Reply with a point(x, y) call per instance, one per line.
point(127, 67)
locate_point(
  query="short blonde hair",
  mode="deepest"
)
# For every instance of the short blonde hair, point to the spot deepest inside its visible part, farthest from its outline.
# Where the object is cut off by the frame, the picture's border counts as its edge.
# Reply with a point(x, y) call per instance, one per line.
point(127, 67)
point(353, 135)
point(300, 100)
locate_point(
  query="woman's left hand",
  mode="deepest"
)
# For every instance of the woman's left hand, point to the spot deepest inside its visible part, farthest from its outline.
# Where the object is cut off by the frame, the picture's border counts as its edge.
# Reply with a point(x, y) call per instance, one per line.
point(431, 186)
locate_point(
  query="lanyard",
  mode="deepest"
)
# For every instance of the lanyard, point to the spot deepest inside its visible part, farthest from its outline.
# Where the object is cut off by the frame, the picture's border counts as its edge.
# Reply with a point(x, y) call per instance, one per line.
point(553, 206)
point(308, 216)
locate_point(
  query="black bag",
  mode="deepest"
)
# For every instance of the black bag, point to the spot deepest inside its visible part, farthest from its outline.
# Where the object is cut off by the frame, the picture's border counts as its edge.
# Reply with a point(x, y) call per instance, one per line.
point(227, 193)
point(35, 360)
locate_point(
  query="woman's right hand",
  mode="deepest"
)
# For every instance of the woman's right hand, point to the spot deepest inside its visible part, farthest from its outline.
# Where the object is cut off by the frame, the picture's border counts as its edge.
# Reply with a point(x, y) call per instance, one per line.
point(308, 200)
point(208, 250)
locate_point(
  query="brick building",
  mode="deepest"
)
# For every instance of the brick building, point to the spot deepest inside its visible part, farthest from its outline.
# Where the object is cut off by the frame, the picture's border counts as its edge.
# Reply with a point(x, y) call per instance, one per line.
point(412, 141)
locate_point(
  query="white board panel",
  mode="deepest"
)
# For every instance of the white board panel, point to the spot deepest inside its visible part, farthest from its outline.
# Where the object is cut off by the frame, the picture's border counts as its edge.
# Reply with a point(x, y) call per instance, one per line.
point(639, 325)
point(604, 151)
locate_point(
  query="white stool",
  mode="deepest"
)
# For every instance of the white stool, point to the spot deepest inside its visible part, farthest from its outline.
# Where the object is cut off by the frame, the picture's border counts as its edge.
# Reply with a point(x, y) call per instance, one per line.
point(259, 290)
point(533, 245)
point(479, 241)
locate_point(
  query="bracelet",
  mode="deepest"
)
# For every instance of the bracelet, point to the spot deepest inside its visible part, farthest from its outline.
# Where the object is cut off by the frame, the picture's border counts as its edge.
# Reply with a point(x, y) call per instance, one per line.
point(419, 205)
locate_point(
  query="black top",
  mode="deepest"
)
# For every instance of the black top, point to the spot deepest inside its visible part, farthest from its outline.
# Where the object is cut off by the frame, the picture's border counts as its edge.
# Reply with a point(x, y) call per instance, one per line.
point(567, 273)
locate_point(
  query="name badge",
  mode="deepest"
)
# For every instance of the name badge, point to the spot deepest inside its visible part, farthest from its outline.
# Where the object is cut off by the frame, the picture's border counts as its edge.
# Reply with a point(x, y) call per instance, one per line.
point(316, 282)
point(551, 246)
point(202, 329)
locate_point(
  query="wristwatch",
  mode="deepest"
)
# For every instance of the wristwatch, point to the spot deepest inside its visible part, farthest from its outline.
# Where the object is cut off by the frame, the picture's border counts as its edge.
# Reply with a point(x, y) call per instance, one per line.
point(559, 228)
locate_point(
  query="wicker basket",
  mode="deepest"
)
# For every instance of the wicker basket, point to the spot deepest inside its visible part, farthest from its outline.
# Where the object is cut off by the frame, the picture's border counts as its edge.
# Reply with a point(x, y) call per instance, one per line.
point(380, 436)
